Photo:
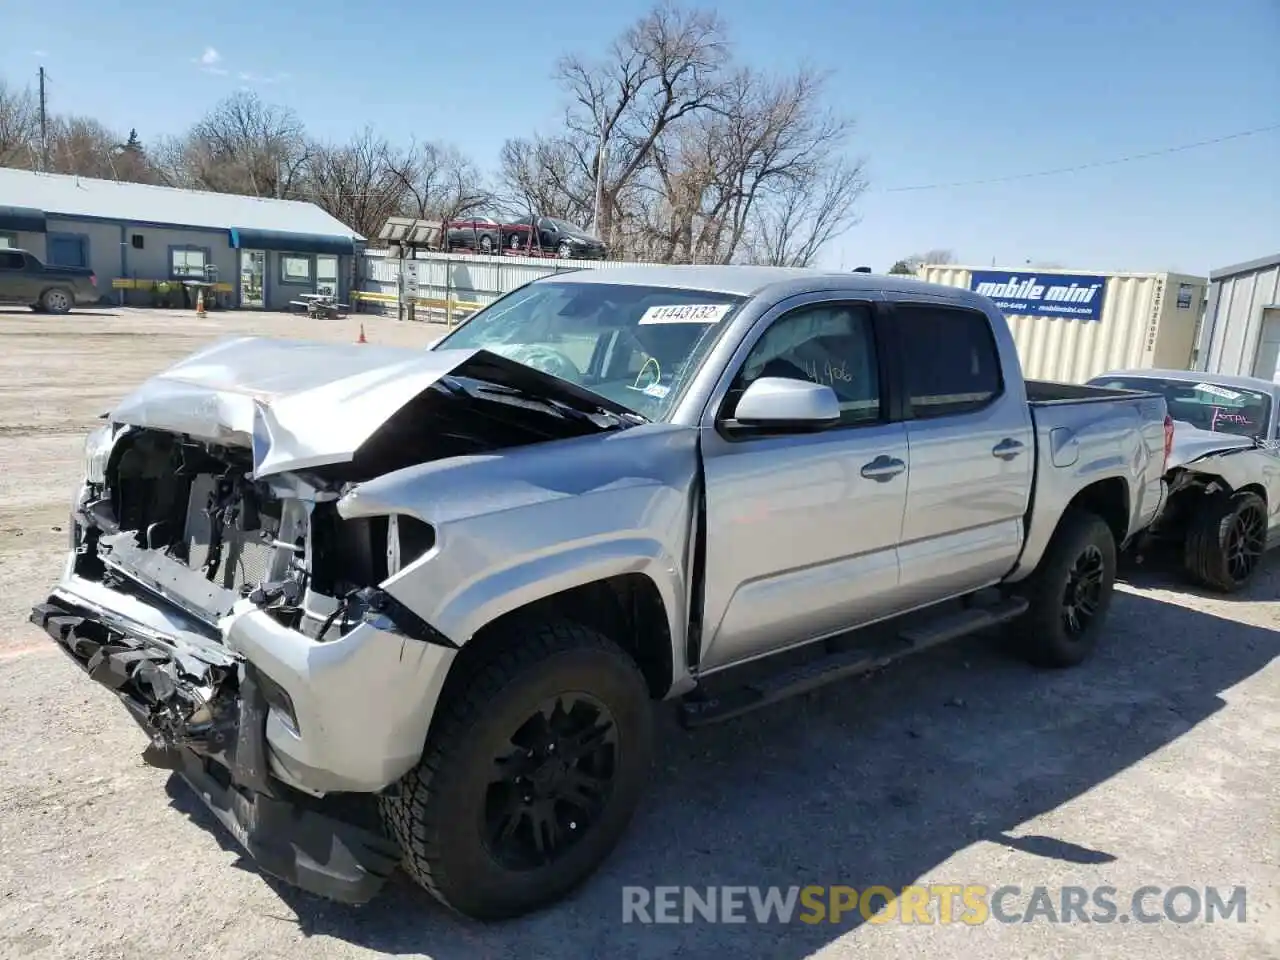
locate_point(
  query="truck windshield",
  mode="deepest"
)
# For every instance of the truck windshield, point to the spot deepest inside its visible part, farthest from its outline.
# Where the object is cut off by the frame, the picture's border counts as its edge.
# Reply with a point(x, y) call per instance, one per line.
point(638, 346)
point(1203, 404)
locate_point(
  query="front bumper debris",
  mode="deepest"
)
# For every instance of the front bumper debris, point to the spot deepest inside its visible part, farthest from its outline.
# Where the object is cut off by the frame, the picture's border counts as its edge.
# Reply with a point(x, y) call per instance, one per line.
point(205, 711)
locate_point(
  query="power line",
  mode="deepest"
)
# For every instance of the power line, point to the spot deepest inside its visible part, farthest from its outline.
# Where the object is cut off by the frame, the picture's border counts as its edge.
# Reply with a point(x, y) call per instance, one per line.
point(1086, 166)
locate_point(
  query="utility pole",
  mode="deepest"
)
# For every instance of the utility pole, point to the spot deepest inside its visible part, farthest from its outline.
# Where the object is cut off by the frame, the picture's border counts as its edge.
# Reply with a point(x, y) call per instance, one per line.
point(44, 127)
point(601, 162)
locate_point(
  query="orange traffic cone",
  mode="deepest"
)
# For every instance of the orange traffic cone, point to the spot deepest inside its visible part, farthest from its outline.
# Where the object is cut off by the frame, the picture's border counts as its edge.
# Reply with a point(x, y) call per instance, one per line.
point(361, 338)
point(200, 302)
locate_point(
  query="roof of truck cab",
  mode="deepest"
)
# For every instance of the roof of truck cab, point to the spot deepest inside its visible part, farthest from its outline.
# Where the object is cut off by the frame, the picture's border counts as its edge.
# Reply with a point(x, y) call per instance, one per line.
point(747, 281)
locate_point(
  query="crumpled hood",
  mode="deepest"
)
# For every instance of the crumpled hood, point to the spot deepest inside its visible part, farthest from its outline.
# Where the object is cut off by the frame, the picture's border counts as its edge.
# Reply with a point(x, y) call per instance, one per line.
point(299, 404)
point(1190, 443)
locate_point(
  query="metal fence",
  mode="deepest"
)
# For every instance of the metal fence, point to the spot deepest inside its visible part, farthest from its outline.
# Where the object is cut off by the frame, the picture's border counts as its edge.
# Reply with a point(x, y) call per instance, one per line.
point(451, 286)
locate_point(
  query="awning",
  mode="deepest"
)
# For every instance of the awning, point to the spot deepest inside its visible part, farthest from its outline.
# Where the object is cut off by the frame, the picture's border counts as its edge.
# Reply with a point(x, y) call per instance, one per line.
point(26, 219)
point(285, 242)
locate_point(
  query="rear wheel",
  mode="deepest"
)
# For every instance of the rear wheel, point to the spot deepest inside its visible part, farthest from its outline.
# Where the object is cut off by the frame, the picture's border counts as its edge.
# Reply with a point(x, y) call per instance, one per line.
point(1226, 540)
point(1070, 594)
point(530, 774)
point(486, 243)
point(56, 300)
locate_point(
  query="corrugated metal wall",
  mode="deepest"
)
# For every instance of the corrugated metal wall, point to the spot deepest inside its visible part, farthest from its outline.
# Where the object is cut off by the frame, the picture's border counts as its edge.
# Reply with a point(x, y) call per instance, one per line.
point(1140, 323)
point(1233, 326)
point(467, 277)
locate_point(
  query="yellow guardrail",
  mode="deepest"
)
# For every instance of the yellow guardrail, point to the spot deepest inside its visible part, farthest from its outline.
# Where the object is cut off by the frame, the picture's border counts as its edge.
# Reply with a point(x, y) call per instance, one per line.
point(126, 283)
point(428, 302)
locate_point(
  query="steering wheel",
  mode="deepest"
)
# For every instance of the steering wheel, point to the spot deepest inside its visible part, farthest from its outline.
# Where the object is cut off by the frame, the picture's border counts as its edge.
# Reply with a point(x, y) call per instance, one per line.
point(540, 357)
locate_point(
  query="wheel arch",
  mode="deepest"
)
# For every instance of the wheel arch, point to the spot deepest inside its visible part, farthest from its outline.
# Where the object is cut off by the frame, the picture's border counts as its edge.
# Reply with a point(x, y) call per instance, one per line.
point(628, 608)
point(1107, 499)
point(71, 294)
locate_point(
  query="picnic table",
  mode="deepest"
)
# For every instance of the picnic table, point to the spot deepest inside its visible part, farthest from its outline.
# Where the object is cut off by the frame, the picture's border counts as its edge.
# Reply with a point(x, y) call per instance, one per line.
point(320, 306)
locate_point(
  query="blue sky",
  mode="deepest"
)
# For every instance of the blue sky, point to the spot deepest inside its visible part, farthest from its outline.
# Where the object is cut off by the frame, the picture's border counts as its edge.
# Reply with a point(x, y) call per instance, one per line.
point(942, 92)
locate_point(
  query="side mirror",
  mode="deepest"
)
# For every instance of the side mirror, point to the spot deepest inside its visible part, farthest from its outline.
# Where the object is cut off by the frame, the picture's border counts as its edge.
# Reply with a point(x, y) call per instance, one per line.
point(782, 403)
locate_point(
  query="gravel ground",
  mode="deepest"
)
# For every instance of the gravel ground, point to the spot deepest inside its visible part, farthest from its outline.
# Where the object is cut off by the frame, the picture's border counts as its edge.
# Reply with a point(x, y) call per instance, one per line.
point(1155, 764)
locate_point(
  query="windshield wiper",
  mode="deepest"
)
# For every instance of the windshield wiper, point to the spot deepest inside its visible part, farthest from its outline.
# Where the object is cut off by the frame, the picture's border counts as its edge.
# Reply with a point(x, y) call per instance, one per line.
point(566, 410)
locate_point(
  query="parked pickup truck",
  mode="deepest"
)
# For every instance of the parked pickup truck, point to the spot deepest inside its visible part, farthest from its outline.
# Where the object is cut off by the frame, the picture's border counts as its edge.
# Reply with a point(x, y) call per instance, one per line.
point(1222, 508)
point(25, 280)
point(456, 581)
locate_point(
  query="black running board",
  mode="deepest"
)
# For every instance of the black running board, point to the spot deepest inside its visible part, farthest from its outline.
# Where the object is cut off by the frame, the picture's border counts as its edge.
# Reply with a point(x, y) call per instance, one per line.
point(697, 711)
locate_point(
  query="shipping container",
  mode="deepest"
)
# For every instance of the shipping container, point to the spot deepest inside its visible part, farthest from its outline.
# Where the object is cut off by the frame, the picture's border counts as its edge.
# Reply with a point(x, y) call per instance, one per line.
point(1070, 326)
point(1241, 331)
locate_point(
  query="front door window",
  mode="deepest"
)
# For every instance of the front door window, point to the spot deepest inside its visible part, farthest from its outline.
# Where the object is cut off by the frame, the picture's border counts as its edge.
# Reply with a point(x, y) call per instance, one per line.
point(253, 270)
point(327, 276)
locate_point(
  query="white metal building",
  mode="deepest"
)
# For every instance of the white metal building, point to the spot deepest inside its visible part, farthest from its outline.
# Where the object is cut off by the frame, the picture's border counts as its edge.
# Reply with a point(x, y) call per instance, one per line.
point(1241, 331)
point(266, 251)
point(1070, 326)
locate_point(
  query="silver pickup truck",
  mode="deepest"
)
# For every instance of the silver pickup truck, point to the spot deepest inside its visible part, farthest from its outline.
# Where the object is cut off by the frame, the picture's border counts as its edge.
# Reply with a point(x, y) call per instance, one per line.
point(388, 607)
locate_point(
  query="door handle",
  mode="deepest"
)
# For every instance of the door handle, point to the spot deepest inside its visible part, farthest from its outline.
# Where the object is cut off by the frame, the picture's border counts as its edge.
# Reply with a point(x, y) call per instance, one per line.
point(883, 469)
point(1006, 449)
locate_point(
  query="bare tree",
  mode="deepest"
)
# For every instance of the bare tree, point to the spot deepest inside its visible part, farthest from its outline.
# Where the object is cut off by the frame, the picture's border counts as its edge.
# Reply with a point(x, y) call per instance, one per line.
point(19, 127)
point(794, 222)
point(243, 146)
point(761, 177)
point(664, 67)
point(437, 181)
point(83, 146)
point(544, 176)
point(356, 182)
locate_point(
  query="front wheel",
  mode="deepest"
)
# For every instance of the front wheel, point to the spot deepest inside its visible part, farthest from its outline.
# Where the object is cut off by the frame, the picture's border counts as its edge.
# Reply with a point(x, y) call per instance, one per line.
point(56, 300)
point(1225, 541)
point(1070, 593)
point(564, 251)
point(530, 774)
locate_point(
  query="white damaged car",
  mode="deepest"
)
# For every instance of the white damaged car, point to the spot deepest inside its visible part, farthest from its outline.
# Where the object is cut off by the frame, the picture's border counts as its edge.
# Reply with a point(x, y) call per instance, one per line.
point(1223, 473)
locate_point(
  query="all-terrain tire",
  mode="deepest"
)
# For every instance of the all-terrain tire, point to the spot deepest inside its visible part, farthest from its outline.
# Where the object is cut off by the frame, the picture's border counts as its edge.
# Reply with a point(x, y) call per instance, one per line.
point(57, 300)
point(437, 814)
point(1043, 634)
point(1209, 541)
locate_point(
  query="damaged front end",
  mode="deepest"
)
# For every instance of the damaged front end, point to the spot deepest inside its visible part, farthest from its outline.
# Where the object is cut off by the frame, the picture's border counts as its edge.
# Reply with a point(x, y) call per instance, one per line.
point(1203, 464)
point(214, 587)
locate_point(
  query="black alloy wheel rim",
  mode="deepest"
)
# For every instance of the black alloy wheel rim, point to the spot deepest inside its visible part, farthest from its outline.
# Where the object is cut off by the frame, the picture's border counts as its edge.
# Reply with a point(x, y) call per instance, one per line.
point(550, 782)
point(1246, 538)
point(1083, 595)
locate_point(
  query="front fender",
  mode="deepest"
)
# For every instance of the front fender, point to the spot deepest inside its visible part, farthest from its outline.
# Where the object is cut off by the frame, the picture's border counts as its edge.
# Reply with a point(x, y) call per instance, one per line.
point(524, 524)
point(1235, 469)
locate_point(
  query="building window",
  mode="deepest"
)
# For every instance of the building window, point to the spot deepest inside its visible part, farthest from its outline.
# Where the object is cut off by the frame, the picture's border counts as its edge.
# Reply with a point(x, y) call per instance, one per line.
point(188, 262)
point(295, 269)
point(137, 241)
point(8, 240)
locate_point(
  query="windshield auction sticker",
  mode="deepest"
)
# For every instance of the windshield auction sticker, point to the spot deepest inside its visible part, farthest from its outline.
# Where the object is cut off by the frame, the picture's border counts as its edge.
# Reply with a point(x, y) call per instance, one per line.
point(686, 313)
point(1216, 391)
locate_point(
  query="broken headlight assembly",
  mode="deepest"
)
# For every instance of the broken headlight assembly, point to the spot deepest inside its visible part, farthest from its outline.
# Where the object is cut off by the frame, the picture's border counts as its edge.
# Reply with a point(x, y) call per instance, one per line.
point(97, 450)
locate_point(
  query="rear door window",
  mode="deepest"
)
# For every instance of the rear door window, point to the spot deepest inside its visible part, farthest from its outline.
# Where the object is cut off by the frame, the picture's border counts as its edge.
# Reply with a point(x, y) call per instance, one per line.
point(951, 364)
